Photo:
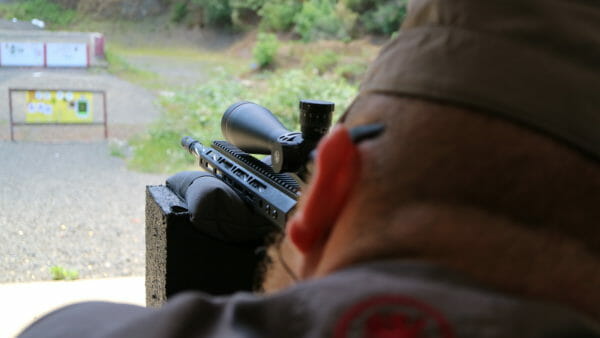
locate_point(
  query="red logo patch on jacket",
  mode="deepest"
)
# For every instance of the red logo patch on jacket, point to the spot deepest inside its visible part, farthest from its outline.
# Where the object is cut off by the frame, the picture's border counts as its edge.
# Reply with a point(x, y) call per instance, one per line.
point(392, 316)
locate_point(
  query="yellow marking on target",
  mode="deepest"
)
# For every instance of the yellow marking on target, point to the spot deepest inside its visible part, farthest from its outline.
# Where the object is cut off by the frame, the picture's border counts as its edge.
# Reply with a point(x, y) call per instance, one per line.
point(59, 107)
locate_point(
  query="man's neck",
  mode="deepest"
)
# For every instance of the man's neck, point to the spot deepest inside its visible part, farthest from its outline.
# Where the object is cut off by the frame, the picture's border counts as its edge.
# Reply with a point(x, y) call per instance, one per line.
point(495, 251)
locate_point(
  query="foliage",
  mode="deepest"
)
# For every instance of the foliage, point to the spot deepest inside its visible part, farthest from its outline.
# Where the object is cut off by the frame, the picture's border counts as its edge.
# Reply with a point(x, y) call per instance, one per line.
point(179, 11)
point(278, 15)
point(320, 19)
point(244, 13)
point(215, 12)
point(352, 71)
point(385, 18)
point(310, 19)
point(323, 61)
point(52, 14)
point(379, 16)
point(159, 151)
point(254, 5)
point(60, 273)
point(194, 112)
point(197, 111)
point(362, 6)
point(265, 49)
point(285, 89)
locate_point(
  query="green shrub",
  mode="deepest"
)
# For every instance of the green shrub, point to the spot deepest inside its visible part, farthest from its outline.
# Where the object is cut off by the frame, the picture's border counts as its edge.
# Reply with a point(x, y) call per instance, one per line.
point(278, 15)
point(348, 19)
point(284, 90)
point(362, 6)
point(379, 16)
point(215, 12)
point(254, 5)
point(311, 19)
point(197, 112)
point(324, 19)
point(179, 11)
point(244, 13)
point(385, 18)
point(352, 72)
point(323, 61)
point(159, 151)
point(265, 50)
point(52, 14)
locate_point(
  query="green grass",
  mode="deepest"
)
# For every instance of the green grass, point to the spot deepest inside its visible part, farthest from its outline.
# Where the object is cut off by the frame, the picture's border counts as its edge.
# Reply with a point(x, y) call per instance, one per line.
point(117, 55)
point(212, 59)
point(303, 71)
point(118, 148)
point(60, 273)
point(118, 65)
point(323, 61)
point(197, 111)
point(181, 53)
point(52, 14)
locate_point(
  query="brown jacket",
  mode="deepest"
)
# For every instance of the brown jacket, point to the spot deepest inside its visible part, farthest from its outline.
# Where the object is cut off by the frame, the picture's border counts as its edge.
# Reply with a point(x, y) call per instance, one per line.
point(380, 299)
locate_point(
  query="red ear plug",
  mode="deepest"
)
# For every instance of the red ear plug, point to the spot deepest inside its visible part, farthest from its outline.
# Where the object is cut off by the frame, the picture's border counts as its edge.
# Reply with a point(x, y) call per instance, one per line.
point(337, 168)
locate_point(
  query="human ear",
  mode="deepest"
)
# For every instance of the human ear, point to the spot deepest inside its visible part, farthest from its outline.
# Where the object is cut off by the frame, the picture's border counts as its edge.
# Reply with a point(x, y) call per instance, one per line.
point(337, 169)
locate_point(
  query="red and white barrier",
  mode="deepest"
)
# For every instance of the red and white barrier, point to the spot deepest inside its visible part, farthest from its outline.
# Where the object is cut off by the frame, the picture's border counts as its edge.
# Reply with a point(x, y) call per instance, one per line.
point(39, 54)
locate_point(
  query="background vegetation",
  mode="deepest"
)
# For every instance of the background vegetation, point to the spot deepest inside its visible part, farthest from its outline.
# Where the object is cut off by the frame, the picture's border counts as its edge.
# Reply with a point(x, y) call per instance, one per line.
point(315, 49)
point(197, 110)
point(60, 273)
point(309, 19)
point(53, 14)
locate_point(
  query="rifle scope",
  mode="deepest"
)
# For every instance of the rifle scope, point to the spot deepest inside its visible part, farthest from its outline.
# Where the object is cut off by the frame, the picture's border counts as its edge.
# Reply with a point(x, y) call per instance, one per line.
point(254, 129)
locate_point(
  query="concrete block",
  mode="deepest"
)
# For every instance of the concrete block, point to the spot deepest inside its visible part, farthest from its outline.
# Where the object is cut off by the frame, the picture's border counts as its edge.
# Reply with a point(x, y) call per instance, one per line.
point(180, 257)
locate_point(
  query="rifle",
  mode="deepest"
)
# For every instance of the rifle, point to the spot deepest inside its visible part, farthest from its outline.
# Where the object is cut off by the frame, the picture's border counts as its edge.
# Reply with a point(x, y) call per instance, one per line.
point(271, 187)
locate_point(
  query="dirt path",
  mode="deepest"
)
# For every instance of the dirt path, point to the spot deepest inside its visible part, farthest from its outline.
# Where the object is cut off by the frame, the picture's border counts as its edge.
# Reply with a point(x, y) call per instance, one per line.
point(174, 72)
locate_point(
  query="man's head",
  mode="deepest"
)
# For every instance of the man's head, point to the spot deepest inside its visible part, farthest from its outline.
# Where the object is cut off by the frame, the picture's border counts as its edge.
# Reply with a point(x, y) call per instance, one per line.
point(527, 72)
point(490, 141)
point(433, 154)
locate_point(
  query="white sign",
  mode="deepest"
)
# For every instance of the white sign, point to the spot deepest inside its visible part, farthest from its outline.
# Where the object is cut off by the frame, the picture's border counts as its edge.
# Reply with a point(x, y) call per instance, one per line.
point(66, 55)
point(25, 54)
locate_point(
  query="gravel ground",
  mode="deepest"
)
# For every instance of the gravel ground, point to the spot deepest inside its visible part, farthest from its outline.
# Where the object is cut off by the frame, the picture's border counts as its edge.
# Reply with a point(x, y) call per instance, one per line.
point(71, 205)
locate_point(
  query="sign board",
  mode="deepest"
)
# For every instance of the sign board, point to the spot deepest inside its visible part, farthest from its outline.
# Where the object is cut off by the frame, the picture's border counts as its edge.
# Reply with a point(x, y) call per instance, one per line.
point(22, 54)
point(66, 55)
point(58, 107)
